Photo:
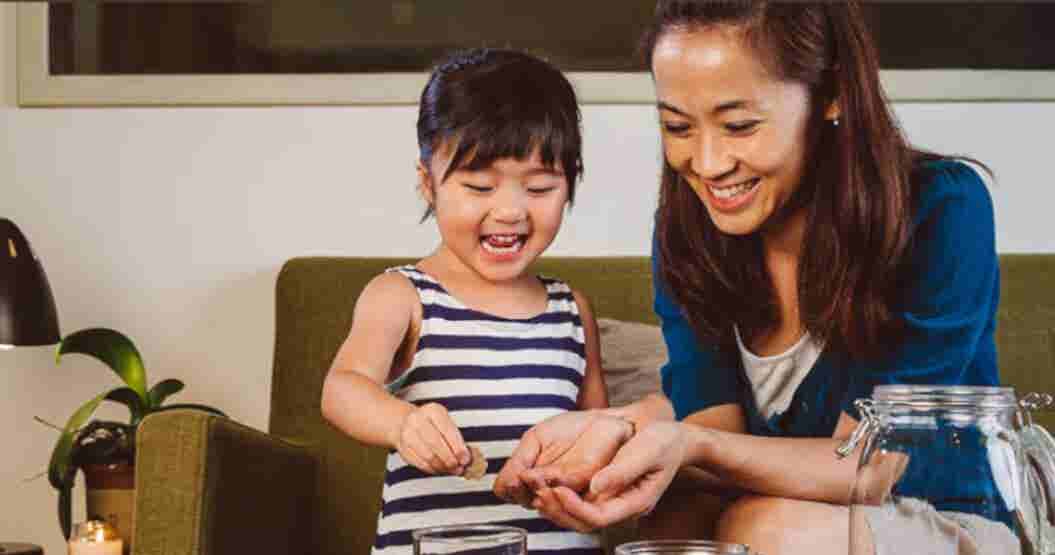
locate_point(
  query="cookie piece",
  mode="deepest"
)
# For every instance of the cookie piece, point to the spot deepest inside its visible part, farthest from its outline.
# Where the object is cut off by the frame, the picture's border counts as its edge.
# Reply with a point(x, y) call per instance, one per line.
point(477, 466)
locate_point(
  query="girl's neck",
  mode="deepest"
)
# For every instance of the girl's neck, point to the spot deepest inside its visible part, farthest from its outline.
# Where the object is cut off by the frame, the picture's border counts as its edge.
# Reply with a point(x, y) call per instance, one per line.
point(522, 297)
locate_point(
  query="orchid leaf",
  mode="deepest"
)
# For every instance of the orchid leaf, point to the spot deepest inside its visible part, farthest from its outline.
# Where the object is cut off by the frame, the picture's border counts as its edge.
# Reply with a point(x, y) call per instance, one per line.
point(161, 391)
point(113, 349)
point(59, 473)
point(126, 396)
point(66, 510)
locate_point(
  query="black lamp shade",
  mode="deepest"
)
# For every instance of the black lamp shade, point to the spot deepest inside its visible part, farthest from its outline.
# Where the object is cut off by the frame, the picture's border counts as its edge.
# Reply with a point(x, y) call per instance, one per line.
point(27, 308)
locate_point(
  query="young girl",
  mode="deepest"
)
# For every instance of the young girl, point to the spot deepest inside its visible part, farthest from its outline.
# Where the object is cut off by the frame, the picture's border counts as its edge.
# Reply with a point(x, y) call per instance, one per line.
point(466, 347)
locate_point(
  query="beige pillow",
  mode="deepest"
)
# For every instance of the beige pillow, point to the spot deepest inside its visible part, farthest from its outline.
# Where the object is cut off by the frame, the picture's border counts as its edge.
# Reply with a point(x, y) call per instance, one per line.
point(631, 354)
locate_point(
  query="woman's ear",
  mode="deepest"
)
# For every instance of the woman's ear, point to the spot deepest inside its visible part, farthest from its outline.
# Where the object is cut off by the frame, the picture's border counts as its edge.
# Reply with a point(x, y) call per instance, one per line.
point(833, 112)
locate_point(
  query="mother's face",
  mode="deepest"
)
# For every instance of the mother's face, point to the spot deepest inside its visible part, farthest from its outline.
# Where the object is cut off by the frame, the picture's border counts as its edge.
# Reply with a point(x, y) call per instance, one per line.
point(735, 133)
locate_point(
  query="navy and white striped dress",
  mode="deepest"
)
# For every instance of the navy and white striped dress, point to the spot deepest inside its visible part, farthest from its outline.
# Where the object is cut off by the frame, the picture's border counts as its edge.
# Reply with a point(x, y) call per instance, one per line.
point(496, 377)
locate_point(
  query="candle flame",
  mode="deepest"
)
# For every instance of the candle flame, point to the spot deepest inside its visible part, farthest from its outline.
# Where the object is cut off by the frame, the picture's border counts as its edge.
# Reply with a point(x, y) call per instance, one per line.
point(100, 535)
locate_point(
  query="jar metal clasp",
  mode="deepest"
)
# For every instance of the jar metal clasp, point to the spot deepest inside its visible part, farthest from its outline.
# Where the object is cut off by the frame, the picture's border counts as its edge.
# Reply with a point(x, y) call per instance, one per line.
point(868, 422)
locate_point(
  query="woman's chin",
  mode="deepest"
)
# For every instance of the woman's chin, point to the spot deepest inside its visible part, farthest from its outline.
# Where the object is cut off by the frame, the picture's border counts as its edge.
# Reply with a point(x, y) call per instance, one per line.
point(742, 223)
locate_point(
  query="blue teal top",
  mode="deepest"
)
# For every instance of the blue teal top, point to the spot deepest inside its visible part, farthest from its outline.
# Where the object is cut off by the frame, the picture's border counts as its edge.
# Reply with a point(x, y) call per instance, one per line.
point(949, 312)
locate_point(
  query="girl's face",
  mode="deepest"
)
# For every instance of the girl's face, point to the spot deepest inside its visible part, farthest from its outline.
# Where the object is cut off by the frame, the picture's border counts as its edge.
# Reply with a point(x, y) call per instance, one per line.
point(496, 220)
point(734, 133)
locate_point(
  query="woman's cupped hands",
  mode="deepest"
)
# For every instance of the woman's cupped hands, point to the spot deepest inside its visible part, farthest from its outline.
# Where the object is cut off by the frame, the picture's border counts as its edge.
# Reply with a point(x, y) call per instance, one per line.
point(588, 469)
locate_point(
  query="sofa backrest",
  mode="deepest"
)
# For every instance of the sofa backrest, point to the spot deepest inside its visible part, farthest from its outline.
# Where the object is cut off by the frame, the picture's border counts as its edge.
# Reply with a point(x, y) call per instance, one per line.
point(314, 302)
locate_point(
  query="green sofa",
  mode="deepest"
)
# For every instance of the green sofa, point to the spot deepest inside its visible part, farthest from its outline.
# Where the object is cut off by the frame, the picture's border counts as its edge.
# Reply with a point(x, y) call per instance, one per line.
point(208, 485)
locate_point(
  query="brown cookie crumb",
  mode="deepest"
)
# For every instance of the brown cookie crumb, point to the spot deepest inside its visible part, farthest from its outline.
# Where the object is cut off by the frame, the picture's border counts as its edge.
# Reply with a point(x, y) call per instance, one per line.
point(477, 467)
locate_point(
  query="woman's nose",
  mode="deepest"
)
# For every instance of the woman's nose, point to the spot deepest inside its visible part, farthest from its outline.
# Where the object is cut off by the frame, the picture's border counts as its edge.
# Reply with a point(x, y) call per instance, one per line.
point(711, 159)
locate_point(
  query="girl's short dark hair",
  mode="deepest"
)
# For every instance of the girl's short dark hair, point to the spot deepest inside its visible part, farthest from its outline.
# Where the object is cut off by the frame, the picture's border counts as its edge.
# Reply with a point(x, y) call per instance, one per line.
point(488, 104)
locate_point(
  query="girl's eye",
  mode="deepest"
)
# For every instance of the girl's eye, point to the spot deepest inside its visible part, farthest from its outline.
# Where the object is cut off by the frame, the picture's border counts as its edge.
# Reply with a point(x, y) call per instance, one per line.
point(478, 188)
point(742, 126)
point(675, 128)
point(541, 190)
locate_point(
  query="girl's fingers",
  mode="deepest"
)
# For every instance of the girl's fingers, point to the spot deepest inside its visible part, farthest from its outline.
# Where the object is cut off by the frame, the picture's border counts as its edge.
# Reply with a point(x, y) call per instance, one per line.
point(509, 484)
point(553, 451)
point(440, 455)
point(428, 447)
point(412, 454)
point(557, 475)
point(452, 437)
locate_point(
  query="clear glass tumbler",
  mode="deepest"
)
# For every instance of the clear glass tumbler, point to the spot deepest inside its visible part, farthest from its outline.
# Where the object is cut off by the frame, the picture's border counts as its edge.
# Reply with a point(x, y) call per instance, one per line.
point(470, 539)
point(681, 547)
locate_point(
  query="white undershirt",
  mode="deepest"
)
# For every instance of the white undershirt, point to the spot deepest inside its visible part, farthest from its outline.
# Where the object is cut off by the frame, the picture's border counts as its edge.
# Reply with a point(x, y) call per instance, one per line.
point(775, 378)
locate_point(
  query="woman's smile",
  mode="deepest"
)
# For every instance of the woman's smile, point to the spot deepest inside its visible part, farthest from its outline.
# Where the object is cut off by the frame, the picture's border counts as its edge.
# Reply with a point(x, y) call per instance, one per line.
point(730, 198)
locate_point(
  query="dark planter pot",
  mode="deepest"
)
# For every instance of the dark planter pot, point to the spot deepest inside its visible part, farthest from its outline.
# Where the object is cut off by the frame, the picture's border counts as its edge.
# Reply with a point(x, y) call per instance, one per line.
point(110, 496)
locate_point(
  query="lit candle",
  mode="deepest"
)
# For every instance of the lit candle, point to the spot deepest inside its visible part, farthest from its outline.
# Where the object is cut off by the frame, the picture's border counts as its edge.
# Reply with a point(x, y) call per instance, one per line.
point(95, 537)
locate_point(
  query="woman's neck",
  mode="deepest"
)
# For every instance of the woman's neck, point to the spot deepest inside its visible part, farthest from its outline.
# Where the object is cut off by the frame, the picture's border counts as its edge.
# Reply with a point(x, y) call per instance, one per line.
point(782, 247)
point(785, 240)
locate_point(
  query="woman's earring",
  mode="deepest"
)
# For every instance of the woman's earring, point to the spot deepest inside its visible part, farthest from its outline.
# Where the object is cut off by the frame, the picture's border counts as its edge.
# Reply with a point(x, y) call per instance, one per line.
point(835, 122)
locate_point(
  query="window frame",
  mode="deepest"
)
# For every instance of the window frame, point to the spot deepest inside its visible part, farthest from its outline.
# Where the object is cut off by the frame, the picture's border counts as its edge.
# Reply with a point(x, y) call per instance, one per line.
point(37, 88)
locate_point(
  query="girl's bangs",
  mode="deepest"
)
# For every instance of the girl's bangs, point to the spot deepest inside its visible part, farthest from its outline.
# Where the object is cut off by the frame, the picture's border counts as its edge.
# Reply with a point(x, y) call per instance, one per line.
point(480, 146)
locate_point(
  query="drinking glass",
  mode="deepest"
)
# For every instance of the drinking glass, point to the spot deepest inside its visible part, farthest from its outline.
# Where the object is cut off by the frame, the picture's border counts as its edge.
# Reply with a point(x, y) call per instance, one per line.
point(681, 547)
point(471, 539)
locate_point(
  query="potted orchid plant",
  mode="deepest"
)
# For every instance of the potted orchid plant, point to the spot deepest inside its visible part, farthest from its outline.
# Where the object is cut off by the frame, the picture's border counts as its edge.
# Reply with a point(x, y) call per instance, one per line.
point(102, 446)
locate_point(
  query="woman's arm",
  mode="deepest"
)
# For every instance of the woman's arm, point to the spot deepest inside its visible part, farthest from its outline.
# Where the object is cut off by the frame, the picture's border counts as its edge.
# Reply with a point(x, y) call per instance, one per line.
point(645, 466)
point(795, 468)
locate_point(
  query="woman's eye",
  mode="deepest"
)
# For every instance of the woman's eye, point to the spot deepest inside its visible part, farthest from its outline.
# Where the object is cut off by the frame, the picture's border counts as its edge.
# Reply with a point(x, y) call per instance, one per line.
point(478, 188)
point(741, 126)
point(675, 128)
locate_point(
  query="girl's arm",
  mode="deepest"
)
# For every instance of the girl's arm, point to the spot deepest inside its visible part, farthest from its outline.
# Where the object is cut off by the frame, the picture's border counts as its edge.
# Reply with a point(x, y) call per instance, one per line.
point(592, 393)
point(354, 399)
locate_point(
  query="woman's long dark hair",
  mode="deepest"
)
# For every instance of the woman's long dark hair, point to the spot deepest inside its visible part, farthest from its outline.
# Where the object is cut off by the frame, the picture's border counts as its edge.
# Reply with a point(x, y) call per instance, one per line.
point(857, 190)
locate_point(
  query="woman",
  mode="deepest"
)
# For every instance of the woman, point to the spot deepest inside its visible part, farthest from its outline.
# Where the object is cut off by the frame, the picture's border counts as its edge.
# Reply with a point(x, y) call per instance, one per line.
point(804, 253)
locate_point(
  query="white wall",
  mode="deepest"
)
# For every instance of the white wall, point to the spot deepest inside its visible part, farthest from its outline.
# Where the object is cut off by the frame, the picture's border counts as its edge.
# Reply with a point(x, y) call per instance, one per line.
point(171, 224)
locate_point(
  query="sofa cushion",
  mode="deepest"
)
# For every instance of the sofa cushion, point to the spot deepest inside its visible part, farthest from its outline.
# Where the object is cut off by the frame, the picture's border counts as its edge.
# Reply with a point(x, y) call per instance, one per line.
point(631, 354)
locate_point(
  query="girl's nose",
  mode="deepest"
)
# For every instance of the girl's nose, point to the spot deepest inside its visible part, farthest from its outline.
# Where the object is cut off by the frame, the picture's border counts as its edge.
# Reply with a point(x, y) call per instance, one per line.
point(509, 213)
point(510, 207)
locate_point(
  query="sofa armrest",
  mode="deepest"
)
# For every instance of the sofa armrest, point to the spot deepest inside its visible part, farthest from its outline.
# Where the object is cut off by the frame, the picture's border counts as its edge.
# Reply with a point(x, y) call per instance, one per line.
point(206, 485)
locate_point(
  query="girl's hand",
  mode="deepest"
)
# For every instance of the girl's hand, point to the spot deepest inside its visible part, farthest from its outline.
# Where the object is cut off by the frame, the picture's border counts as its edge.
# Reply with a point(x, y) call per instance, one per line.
point(629, 486)
point(574, 465)
point(430, 441)
point(579, 441)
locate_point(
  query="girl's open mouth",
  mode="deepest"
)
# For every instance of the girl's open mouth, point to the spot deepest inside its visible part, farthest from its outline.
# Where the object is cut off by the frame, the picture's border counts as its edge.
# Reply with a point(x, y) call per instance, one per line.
point(509, 243)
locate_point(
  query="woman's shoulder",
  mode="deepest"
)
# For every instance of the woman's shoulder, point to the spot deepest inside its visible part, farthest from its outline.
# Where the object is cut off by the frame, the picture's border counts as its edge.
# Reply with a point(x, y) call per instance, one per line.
point(946, 181)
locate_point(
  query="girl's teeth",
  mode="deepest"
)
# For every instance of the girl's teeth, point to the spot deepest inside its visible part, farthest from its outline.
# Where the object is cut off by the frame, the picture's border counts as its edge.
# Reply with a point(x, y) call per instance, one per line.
point(730, 192)
point(502, 244)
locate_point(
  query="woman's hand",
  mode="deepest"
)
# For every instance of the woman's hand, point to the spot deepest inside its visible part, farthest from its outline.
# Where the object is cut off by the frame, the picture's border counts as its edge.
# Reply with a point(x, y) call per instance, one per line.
point(430, 441)
point(629, 486)
point(565, 449)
